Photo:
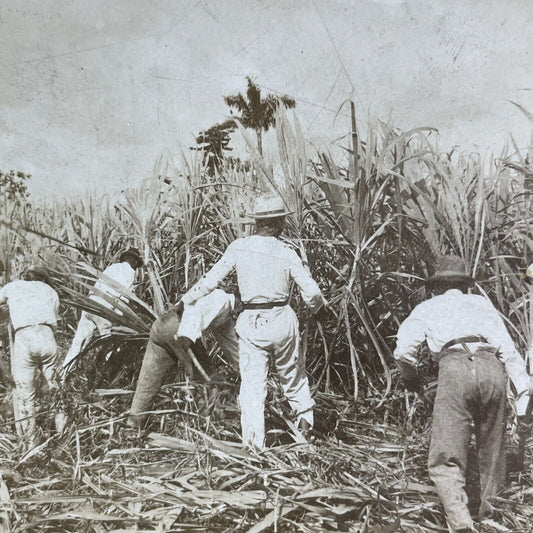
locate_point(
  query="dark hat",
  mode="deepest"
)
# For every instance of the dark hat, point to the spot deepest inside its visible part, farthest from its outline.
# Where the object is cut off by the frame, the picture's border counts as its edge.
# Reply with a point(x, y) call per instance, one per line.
point(37, 273)
point(450, 268)
point(132, 252)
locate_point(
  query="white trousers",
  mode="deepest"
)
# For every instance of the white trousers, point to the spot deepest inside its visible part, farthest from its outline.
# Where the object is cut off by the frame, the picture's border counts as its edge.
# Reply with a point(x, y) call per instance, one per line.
point(87, 327)
point(34, 347)
point(263, 334)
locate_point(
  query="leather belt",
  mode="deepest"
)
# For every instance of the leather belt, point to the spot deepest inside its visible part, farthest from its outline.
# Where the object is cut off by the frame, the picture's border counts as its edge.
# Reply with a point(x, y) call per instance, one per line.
point(464, 340)
point(264, 305)
point(33, 325)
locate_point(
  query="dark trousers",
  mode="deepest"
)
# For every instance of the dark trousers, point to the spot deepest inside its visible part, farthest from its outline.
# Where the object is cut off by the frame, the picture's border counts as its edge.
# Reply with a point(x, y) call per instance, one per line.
point(164, 350)
point(470, 389)
point(162, 353)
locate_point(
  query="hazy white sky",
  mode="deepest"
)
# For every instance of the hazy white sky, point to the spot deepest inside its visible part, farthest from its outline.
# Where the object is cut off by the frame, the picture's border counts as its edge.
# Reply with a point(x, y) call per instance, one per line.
point(92, 92)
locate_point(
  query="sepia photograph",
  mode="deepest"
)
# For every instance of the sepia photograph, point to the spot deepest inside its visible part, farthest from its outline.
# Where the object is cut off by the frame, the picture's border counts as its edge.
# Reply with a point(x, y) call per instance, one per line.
point(266, 266)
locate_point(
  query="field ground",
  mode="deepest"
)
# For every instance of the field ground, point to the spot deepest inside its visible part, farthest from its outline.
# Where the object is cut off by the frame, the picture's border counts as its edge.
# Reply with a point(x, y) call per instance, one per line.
point(363, 471)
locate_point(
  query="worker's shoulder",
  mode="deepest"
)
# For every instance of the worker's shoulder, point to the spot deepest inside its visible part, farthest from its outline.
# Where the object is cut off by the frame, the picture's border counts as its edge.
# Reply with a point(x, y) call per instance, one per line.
point(242, 243)
point(115, 267)
point(119, 271)
point(44, 287)
point(287, 246)
point(286, 250)
point(49, 287)
point(461, 298)
point(456, 298)
point(263, 244)
point(254, 242)
point(281, 248)
point(423, 306)
point(16, 285)
point(436, 302)
point(27, 287)
point(481, 301)
point(6, 289)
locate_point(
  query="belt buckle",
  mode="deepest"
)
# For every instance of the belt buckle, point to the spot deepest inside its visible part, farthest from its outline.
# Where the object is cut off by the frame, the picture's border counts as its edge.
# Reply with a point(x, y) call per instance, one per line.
point(471, 355)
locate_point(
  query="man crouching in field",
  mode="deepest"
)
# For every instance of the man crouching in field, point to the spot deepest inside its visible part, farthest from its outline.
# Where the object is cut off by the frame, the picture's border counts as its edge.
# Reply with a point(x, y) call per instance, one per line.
point(176, 337)
point(474, 349)
point(33, 309)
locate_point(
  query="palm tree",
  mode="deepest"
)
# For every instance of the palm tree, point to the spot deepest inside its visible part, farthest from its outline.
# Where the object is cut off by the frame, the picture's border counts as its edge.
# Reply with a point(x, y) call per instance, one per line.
point(255, 112)
point(214, 142)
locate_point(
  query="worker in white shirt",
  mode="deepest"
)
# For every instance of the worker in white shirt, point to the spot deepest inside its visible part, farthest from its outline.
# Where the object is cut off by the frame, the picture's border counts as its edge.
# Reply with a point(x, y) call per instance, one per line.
point(172, 335)
point(122, 273)
point(474, 351)
point(267, 327)
point(33, 310)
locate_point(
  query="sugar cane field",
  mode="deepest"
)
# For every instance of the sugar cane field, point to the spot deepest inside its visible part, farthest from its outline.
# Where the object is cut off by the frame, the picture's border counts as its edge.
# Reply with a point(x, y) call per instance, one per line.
point(370, 215)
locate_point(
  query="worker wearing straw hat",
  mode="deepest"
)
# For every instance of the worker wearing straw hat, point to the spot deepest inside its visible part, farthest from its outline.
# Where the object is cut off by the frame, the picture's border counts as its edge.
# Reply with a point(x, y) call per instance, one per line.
point(267, 327)
point(33, 310)
point(122, 273)
point(474, 349)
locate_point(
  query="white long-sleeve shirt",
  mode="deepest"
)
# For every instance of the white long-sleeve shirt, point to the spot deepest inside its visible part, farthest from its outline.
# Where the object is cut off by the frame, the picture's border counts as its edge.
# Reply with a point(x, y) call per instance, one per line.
point(30, 303)
point(205, 314)
point(454, 315)
point(264, 267)
point(122, 273)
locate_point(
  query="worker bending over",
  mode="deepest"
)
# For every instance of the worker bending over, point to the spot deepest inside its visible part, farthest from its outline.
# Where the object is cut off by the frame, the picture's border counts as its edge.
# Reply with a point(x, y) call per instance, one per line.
point(474, 351)
point(176, 337)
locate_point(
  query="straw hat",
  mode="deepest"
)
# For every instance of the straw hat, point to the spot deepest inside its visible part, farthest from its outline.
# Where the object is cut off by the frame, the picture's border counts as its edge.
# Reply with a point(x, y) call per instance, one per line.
point(450, 268)
point(269, 206)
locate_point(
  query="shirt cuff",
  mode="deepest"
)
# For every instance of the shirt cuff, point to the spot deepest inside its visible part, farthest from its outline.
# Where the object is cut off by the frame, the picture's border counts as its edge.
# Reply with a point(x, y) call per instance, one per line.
point(402, 358)
point(188, 299)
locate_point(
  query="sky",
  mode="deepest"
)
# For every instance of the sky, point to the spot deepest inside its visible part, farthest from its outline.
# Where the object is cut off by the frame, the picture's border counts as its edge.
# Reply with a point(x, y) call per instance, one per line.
point(92, 92)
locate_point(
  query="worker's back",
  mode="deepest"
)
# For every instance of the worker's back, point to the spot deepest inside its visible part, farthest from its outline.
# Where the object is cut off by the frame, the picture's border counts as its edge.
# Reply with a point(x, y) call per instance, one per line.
point(265, 267)
point(31, 302)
